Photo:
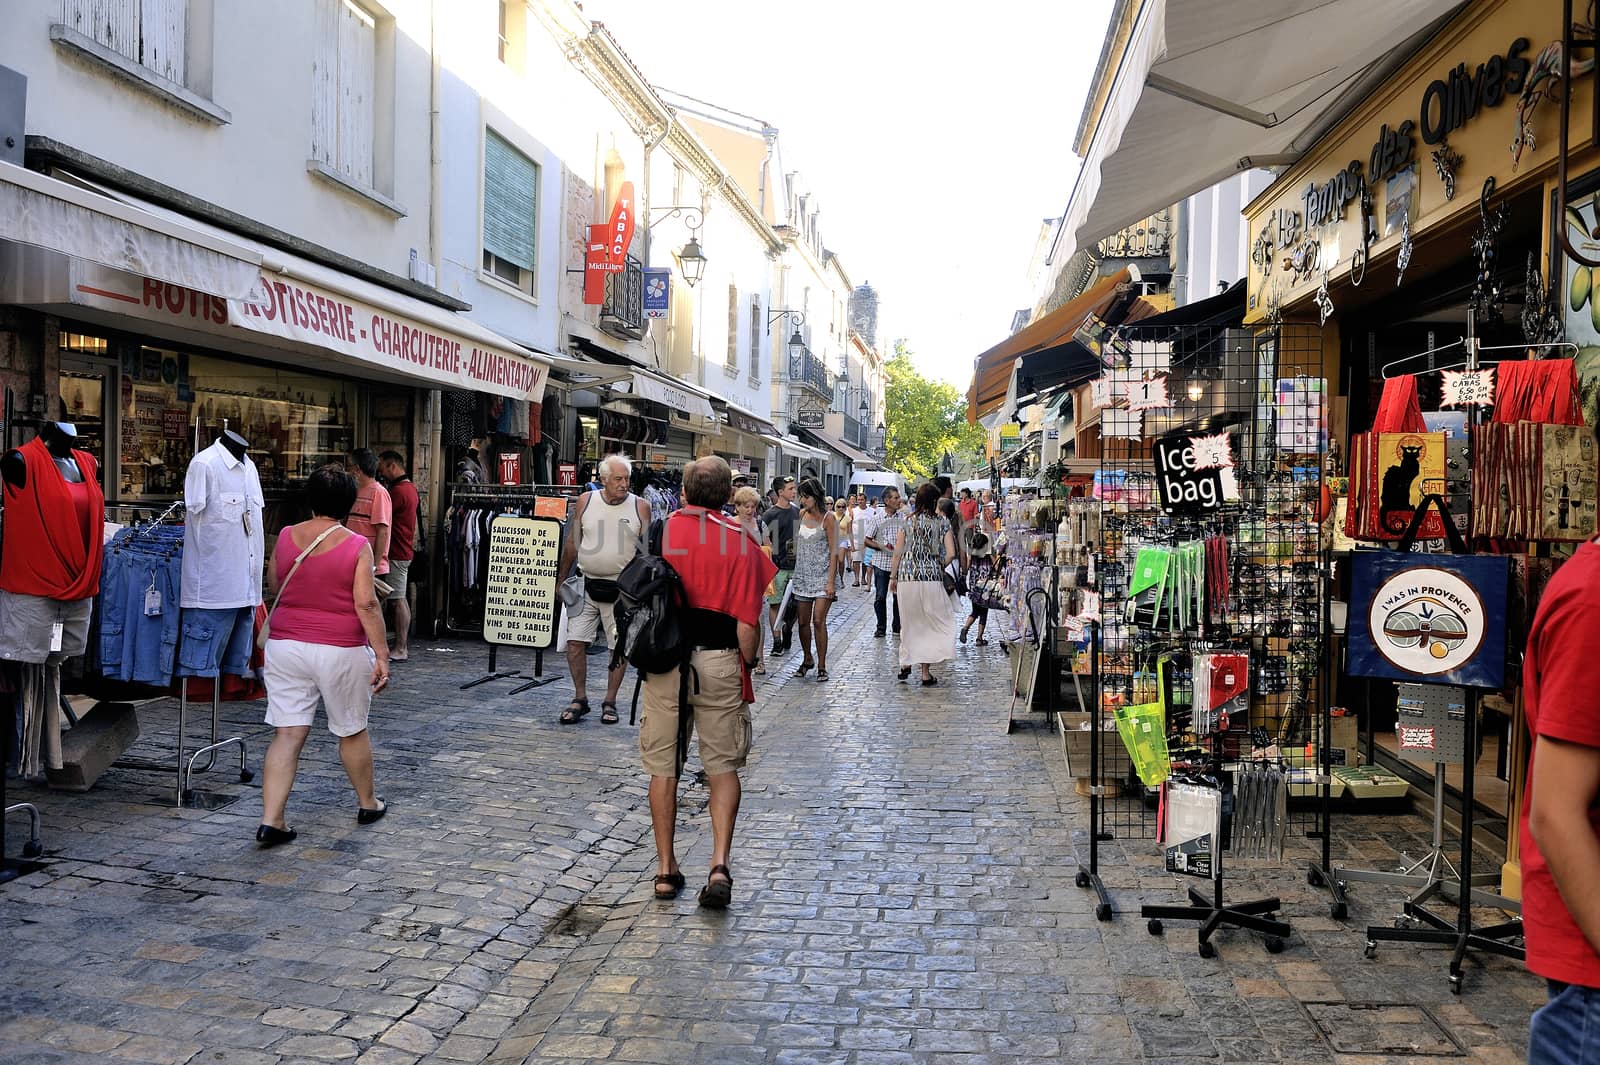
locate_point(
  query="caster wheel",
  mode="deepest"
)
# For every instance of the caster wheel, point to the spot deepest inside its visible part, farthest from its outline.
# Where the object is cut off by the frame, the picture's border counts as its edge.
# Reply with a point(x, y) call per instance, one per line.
point(1102, 912)
point(1207, 950)
point(1155, 927)
point(1455, 984)
point(1273, 944)
point(1371, 951)
point(32, 849)
point(1339, 911)
point(188, 798)
point(1082, 879)
point(1314, 878)
point(246, 776)
point(1403, 922)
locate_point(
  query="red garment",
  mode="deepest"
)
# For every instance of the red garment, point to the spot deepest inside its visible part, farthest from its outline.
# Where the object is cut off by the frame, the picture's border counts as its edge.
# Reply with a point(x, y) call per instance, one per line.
point(403, 533)
point(722, 567)
point(319, 605)
point(54, 542)
point(1559, 694)
point(969, 511)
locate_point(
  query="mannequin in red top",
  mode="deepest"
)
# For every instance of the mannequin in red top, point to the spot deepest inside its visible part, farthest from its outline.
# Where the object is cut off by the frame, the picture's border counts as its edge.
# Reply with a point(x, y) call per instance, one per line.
point(49, 574)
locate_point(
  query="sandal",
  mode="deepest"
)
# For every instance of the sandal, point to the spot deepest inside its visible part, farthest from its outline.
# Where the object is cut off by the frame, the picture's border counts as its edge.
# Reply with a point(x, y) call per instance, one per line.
point(574, 711)
point(822, 675)
point(805, 667)
point(981, 642)
point(668, 885)
point(717, 893)
point(963, 635)
point(608, 713)
point(928, 682)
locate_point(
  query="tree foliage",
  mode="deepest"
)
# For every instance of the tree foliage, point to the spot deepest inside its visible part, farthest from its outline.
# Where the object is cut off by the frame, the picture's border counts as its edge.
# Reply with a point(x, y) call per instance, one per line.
point(924, 419)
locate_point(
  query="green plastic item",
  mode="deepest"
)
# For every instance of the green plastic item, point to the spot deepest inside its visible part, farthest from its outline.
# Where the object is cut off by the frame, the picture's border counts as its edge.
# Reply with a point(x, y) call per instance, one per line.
point(1143, 728)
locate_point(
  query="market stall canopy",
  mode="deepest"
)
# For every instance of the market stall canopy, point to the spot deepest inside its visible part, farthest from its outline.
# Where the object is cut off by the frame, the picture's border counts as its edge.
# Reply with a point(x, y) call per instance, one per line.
point(1208, 88)
point(991, 373)
point(678, 395)
point(855, 455)
point(1222, 310)
point(57, 216)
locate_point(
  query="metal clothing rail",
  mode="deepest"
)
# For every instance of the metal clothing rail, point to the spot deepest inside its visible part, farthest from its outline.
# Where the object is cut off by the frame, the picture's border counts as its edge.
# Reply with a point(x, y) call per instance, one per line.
point(184, 771)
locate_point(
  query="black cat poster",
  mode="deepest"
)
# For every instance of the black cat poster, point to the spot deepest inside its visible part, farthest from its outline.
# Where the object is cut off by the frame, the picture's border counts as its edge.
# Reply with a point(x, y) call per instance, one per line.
point(1409, 466)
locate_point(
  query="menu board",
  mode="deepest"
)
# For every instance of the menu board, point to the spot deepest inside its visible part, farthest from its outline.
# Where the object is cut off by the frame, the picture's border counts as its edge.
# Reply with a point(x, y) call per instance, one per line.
point(520, 602)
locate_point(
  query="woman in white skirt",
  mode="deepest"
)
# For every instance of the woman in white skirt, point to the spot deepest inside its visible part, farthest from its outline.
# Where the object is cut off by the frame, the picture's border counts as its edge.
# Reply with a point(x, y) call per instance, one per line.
point(927, 620)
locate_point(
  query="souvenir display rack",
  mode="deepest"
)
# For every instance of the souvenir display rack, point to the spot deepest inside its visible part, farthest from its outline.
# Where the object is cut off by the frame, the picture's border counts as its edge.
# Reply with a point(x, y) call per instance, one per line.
point(1262, 593)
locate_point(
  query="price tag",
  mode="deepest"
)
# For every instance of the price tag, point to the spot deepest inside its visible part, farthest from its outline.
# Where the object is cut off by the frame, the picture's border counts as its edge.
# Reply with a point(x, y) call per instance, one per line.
point(1212, 452)
point(1468, 388)
point(1100, 391)
point(1148, 395)
point(56, 632)
point(152, 600)
point(1122, 424)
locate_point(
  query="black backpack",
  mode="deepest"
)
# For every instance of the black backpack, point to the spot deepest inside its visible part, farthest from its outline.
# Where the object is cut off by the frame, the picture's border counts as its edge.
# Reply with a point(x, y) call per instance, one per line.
point(651, 634)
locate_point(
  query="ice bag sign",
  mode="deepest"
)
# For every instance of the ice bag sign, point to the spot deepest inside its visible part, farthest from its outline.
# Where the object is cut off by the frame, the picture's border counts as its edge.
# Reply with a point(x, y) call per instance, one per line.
point(1185, 484)
point(520, 595)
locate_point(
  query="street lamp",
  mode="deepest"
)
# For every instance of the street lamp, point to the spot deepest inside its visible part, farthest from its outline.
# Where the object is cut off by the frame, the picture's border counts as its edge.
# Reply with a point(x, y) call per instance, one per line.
point(690, 258)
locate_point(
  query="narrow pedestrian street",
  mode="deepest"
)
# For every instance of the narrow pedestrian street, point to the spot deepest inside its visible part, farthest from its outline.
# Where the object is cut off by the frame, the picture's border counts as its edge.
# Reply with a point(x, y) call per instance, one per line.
point(904, 893)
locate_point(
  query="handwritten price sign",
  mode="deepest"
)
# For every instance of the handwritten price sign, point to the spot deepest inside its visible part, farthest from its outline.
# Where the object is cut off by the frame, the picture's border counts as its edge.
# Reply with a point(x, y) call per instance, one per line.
point(1148, 395)
point(1473, 388)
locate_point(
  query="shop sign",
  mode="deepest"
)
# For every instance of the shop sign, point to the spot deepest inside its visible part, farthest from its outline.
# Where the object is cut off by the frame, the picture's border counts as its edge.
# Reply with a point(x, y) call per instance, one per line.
point(174, 423)
point(308, 314)
point(520, 603)
point(567, 474)
point(1435, 619)
point(1194, 475)
point(1010, 436)
point(670, 395)
point(596, 265)
point(657, 292)
point(810, 417)
point(510, 467)
point(1327, 203)
point(619, 231)
point(741, 467)
point(1468, 388)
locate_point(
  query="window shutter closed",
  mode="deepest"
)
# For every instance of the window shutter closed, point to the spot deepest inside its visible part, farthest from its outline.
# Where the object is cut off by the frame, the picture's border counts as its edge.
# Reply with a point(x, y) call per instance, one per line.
point(163, 26)
point(510, 201)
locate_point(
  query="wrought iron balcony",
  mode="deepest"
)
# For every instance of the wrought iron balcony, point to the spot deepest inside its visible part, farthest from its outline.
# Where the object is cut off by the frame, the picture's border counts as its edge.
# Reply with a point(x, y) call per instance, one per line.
point(622, 313)
point(810, 371)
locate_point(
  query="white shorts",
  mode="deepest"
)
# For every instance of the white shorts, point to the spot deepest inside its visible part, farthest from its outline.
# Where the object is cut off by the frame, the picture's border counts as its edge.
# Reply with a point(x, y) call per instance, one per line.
point(298, 674)
point(583, 624)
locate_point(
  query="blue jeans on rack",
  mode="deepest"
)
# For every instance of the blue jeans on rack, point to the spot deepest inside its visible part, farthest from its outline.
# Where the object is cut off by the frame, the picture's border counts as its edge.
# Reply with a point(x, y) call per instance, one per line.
point(140, 573)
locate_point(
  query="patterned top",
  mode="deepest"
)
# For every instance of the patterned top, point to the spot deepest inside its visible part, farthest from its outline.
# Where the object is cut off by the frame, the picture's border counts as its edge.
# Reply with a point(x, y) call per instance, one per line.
point(811, 560)
point(922, 557)
point(885, 530)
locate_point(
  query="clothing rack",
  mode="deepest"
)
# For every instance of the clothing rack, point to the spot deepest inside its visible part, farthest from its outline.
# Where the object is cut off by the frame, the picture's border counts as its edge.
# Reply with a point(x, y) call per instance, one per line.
point(11, 868)
point(184, 793)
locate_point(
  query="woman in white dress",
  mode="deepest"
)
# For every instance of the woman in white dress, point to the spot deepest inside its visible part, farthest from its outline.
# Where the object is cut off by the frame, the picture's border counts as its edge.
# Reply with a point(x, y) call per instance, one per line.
point(816, 572)
point(927, 619)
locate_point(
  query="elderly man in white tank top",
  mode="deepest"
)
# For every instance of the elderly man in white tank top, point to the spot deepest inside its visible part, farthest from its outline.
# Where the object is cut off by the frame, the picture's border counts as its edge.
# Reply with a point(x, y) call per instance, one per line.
point(604, 531)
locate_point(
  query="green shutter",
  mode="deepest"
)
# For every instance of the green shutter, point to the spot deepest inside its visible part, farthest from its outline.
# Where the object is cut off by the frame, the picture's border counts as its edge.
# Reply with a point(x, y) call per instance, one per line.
point(510, 201)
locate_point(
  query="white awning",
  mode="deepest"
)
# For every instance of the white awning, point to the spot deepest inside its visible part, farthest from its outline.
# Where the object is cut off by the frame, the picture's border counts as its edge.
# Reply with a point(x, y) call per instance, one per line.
point(45, 212)
point(678, 395)
point(303, 306)
point(795, 448)
point(1209, 88)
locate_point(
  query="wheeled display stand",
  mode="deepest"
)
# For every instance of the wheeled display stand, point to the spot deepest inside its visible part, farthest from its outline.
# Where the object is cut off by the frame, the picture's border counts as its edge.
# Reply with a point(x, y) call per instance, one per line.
point(1090, 877)
point(1213, 913)
point(11, 868)
point(1461, 935)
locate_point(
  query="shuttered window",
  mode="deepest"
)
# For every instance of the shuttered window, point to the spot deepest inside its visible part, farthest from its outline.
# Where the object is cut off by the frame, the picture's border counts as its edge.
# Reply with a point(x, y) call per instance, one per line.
point(733, 327)
point(755, 338)
point(344, 89)
point(152, 33)
point(510, 202)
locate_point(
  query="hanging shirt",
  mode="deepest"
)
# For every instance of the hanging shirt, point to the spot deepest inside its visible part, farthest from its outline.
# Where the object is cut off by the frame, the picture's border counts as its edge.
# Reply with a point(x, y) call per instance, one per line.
point(224, 539)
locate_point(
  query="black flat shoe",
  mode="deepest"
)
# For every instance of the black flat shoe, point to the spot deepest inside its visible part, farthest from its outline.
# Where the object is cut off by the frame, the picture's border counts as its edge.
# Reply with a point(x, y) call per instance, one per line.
point(928, 682)
point(367, 817)
point(905, 673)
point(268, 836)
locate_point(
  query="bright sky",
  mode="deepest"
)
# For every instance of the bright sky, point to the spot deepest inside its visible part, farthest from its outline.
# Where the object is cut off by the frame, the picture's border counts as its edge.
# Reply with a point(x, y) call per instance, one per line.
point(935, 137)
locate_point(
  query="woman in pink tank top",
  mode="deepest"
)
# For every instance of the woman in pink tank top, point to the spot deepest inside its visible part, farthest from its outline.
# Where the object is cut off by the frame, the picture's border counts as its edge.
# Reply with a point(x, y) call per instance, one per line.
point(326, 645)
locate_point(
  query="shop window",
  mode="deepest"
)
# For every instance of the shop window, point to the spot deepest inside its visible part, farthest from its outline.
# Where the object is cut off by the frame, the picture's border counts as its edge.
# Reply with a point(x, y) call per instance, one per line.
point(344, 91)
point(173, 403)
point(510, 213)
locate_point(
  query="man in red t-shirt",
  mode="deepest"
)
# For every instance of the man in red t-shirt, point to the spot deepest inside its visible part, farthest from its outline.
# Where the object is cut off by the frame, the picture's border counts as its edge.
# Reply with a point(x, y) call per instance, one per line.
point(968, 506)
point(402, 547)
point(724, 574)
point(1560, 822)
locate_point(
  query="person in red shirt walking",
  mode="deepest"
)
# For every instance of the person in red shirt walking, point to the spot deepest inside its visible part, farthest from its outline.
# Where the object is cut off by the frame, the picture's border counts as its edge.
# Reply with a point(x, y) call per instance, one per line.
point(406, 505)
point(725, 574)
point(1560, 819)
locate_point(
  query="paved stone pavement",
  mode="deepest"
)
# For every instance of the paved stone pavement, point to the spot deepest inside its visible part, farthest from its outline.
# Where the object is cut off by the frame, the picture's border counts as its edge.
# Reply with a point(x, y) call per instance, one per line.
point(904, 894)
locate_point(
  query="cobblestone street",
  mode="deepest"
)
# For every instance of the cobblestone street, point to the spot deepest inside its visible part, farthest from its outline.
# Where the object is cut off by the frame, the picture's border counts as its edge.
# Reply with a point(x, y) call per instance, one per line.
point(904, 893)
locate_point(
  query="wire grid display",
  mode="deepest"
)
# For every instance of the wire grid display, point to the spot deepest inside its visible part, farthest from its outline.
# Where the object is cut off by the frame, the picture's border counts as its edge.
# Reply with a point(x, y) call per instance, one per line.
point(1266, 391)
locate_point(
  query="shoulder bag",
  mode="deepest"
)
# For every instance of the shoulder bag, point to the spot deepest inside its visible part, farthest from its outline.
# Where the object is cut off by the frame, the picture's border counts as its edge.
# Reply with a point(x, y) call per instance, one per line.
point(266, 626)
